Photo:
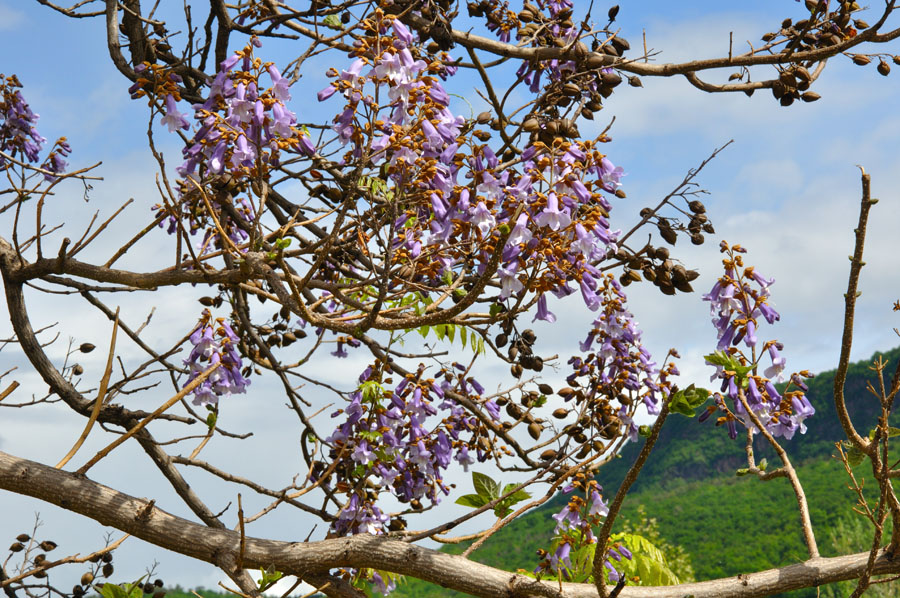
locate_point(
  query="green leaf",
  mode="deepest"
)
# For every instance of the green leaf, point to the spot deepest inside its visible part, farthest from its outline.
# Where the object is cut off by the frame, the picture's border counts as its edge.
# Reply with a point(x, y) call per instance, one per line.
point(645, 431)
point(720, 358)
point(211, 420)
point(333, 22)
point(648, 563)
point(485, 486)
point(472, 500)
point(891, 432)
point(371, 391)
point(687, 400)
point(763, 464)
point(113, 590)
point(463, 335)
point(496, 308)
point(855, 456)
point(423, 330)
point(742, 472)
point(517, 496)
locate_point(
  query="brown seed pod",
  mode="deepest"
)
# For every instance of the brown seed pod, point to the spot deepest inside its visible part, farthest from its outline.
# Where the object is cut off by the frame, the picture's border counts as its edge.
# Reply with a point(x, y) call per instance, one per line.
point(529, 336)
point(883, 68)
point(47, 545)
point(87, 578)
point(108, 570)
point(588, 114)
point(86, 347)
point(635, 81)
point(788, 79)
point(571, 89)
point(17, 547)
point(545, 389)
point(548, 455)
point(516, 370)
point(661, 253)
point(531, 125)
point(684, 286)
point(810, 96)
point(534, 430)
point(861, 59)
point(668, 234)
point(621, 44)
point(610, 79)
point(561, 413)
point(595, 61)
point(697, 239)
point(696, 206)
point(77, 369)
point(483, 118)
point(778, 90)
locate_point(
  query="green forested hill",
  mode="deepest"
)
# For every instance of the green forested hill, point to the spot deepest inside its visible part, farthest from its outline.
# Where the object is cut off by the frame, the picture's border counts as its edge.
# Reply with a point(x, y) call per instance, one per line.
point(727, 524)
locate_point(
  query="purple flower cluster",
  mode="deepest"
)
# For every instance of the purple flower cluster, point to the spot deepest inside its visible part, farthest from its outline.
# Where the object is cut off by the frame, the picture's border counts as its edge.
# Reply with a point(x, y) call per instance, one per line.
point(552, 205)
point(18, 134)
point(215, 342)
point(574, 531)
point(739, 300)
point(243, 127)
point(401, 440)
point(616, 366)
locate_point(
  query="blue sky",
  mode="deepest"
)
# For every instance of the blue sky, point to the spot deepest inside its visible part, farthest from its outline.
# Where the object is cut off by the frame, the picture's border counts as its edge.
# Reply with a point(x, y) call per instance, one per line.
point(787, 189)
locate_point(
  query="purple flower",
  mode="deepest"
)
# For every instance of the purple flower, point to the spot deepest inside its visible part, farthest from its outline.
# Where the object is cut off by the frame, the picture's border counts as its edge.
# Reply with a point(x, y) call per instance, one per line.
point(279, 85)
point(542, 312)
point(552, 216)
point(483, 219)
point(326, 93)
point(174, 119)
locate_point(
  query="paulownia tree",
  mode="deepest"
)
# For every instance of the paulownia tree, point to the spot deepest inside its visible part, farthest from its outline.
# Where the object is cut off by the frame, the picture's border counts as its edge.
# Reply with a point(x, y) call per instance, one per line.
point(401, 216)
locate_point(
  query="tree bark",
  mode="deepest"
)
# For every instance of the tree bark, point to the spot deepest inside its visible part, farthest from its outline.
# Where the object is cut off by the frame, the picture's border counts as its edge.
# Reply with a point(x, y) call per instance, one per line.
point(142, 519)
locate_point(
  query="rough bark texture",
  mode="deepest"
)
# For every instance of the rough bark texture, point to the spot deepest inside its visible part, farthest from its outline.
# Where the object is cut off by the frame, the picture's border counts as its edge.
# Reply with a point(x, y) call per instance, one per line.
point(143, 520)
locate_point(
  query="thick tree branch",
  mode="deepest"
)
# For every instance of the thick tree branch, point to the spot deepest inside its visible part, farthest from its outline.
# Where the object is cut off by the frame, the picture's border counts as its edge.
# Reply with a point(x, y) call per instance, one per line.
point(110, 507)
